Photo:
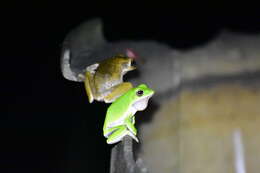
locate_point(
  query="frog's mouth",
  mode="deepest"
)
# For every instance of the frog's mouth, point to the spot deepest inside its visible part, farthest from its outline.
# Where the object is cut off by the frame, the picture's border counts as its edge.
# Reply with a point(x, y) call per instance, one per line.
point(142, 103)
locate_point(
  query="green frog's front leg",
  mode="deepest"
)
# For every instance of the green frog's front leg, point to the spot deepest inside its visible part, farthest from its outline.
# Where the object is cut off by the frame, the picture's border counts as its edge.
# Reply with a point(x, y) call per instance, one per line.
point(130, 125)
point(119, 133)
point(133, 119)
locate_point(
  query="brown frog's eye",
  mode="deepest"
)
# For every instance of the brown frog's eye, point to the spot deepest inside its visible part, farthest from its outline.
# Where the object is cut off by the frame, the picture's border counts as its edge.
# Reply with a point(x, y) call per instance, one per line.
point(139, 93)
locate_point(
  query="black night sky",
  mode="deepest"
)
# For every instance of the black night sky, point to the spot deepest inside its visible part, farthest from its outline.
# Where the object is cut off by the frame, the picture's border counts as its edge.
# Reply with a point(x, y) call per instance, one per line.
point(47, 124)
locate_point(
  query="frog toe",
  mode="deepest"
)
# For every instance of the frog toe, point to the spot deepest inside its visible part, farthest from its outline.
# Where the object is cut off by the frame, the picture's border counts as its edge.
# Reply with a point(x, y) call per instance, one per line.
point(133, 136)
point(112, 140)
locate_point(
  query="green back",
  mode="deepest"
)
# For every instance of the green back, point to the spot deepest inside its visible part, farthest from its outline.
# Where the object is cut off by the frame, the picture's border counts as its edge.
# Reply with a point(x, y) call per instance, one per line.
point(120, 105)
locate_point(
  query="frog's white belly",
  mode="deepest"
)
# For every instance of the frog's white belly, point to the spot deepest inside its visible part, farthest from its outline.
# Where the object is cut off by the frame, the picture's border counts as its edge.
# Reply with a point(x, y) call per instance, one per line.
point(141, 104)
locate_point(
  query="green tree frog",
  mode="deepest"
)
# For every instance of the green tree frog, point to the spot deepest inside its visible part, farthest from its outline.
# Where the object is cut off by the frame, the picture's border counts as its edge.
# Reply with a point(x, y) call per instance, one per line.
point(104, 80)
point(120, 119)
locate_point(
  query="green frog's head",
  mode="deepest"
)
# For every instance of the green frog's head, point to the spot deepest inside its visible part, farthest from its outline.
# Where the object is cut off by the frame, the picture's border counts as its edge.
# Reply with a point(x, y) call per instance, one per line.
point(141, 95)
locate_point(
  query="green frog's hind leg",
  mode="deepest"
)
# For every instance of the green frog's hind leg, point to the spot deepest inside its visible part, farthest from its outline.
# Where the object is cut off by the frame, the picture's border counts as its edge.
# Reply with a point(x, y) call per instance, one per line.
point(117, 91)
point(119, 134)
point(108, 131)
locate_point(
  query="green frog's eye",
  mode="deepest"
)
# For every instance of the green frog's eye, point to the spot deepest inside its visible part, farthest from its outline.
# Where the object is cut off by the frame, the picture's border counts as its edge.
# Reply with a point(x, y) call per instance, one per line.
point(139, 93)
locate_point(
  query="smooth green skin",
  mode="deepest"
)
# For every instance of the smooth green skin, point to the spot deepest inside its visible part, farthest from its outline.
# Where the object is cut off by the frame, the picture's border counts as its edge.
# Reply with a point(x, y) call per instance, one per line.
point(120, 119)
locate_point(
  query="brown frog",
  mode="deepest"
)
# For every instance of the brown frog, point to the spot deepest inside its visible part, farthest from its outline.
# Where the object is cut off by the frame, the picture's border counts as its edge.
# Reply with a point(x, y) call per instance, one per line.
point(104, 80)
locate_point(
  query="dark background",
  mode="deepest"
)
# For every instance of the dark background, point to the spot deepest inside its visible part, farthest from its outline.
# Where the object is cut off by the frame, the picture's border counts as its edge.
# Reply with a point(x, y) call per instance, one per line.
point(47, 124)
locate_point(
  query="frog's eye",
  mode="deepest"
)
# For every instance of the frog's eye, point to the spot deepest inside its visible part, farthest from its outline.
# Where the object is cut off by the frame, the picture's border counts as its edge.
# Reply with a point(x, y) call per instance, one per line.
point(139, 93)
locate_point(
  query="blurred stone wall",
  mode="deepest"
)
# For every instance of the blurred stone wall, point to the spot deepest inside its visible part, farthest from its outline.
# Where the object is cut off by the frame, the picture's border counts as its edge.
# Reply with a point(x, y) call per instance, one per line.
point(194, 126)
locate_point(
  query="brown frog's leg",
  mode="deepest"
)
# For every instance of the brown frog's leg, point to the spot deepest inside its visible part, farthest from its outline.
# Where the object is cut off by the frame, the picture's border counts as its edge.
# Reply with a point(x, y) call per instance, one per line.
point(89, 81)
point(117, 91)
point(89, 86)
point(131, 68)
